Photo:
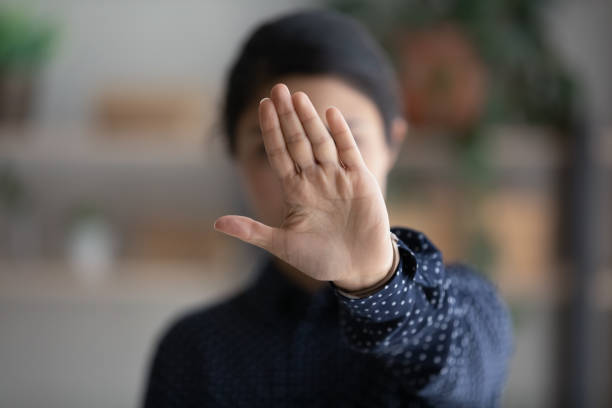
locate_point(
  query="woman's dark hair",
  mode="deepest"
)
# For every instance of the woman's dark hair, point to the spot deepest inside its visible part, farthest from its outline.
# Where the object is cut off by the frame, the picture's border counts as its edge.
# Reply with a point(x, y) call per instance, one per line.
point(310, 42)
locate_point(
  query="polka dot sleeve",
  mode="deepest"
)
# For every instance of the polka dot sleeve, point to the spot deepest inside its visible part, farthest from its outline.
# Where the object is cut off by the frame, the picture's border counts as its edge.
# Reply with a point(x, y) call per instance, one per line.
point(442, 332)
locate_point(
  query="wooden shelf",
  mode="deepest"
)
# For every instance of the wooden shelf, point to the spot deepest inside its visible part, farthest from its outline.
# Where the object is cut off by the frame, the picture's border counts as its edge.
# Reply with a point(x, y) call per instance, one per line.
point(127, 282)
point(79, 145)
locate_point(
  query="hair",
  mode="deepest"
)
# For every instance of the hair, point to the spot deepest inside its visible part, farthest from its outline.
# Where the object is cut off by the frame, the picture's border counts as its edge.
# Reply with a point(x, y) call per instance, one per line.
point(310, 42)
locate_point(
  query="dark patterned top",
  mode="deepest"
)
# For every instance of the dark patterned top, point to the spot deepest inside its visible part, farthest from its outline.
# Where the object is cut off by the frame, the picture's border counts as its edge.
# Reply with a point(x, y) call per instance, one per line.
point(434, 335)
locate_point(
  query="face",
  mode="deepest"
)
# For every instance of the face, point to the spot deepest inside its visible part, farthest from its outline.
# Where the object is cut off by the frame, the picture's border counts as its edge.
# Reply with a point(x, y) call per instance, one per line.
point(261, 183)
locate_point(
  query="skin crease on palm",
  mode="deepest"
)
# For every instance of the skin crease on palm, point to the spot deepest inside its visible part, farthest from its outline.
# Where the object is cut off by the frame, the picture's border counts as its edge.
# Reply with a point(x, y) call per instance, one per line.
point(326, 221)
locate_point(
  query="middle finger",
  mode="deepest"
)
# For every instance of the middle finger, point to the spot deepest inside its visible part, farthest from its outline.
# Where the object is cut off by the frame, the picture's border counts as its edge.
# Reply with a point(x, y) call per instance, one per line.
point(297, 143)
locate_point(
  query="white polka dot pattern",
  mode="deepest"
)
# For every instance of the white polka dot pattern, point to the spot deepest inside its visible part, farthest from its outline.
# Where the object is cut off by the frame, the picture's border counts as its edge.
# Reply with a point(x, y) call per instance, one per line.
point(417, 326)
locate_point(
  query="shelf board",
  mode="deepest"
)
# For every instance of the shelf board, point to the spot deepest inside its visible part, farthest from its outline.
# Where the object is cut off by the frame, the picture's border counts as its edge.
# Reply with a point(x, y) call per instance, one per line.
point(78, 145)
point(129, 281)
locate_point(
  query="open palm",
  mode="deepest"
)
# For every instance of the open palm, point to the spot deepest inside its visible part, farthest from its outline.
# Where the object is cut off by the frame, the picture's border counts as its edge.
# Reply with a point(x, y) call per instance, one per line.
point(335, 225)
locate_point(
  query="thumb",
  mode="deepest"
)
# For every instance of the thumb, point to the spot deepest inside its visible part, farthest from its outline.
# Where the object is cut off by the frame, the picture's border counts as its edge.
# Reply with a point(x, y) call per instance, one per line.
point(248, 230)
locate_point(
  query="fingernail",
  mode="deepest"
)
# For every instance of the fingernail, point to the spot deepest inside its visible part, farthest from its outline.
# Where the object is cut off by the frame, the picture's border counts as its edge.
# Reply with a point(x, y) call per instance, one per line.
point(262, 99)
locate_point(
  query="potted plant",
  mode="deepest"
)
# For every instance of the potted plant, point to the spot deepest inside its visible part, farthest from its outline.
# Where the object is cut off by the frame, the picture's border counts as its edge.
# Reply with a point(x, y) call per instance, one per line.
point(25, 44)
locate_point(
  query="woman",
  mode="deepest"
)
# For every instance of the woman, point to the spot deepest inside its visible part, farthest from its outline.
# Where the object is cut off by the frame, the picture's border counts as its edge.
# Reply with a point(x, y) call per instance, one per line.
point(345, 311)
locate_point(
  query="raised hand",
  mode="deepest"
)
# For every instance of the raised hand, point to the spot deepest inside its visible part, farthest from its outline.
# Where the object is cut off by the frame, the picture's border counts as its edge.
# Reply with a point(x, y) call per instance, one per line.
point(335, 225)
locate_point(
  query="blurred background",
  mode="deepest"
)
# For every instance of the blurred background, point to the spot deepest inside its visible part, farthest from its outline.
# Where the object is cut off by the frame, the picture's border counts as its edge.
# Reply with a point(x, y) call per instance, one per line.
point(112, 171)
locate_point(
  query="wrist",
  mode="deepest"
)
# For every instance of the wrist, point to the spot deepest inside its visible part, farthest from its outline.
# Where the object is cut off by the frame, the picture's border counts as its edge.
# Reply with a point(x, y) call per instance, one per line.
point(362, 288)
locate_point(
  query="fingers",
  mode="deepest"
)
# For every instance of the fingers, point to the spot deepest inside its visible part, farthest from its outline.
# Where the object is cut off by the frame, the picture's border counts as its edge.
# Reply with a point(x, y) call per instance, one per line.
point(297, 143)
point(274, 143)
point(323, 146)
point(348, 151)
point(294, 134)
point(249, 231)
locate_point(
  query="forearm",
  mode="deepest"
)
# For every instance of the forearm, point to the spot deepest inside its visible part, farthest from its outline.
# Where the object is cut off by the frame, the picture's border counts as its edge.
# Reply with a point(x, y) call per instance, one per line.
point(432, 330)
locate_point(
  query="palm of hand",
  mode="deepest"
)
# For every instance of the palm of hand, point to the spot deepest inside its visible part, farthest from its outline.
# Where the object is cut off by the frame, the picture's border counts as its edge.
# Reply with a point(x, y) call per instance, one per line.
point(335, 225)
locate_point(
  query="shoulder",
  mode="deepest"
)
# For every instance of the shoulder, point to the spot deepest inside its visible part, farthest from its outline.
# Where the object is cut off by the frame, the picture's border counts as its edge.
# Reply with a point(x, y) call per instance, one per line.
point(191, 346)
point(469, 279)
point(471, 284)
point(479, 299)
point(195, 328)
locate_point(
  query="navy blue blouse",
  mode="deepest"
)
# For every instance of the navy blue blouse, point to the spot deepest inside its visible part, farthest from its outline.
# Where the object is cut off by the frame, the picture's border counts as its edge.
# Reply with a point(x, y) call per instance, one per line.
point(434, 335)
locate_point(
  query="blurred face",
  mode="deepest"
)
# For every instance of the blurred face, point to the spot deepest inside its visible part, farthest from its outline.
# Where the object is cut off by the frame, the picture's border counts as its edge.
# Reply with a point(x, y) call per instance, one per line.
point(262, 185)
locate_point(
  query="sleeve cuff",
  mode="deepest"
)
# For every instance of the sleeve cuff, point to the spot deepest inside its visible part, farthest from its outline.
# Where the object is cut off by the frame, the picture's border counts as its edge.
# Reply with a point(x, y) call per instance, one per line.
point(359, 294)
point(420, 265)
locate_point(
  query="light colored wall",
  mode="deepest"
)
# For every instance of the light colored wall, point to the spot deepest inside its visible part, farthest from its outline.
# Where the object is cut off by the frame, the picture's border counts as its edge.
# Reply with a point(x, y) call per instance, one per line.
point(108, 41)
